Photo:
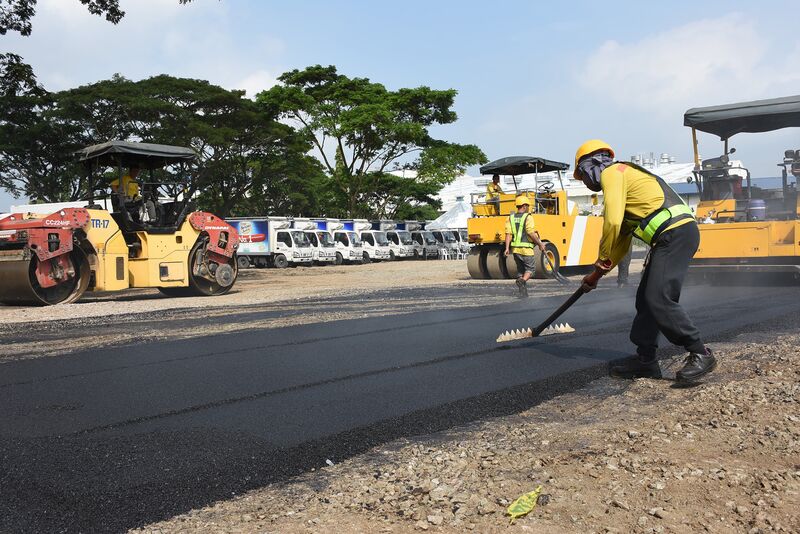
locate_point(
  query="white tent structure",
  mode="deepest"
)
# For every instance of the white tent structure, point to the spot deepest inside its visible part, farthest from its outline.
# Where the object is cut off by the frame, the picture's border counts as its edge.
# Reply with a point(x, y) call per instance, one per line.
point(453, 219)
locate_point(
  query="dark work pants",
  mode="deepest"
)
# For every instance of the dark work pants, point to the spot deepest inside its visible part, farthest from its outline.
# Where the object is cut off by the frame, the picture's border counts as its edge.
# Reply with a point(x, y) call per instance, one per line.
point(657, 307)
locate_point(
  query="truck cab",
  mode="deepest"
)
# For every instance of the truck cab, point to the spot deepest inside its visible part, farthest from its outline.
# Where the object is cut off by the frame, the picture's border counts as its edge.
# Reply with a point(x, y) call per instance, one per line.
point(446, 240)
point(425, 245)
point(376, 245)
point(400, 244)
point(345, 240)
point(373, 248)
point(323, 250)
point(462, 238)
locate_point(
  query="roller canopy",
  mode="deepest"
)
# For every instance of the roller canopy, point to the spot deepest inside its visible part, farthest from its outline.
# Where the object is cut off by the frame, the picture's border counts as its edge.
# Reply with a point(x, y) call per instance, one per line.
point(515, 165)
point(749, 117)
point(126, 153)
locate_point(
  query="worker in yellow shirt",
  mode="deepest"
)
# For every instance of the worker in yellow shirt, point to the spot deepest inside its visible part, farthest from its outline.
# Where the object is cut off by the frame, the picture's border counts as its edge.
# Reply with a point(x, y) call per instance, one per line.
point(521, 236)
point(129, 185)
point(493, 191)
point(640, 204)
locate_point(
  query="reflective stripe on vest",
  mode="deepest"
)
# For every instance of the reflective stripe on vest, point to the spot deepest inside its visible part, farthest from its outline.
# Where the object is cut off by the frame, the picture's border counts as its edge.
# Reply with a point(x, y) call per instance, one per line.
point(519, 236)
point(659, 222)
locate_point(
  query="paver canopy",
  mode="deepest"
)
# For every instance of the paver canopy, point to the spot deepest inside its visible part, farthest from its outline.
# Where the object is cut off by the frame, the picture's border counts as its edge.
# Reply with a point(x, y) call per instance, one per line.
point(516, 165)
point(750, 117)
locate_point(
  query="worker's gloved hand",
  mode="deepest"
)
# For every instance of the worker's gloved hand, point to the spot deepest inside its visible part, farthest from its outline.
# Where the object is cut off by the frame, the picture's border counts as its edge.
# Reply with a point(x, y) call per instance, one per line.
point(601, 268)
point(541, 246)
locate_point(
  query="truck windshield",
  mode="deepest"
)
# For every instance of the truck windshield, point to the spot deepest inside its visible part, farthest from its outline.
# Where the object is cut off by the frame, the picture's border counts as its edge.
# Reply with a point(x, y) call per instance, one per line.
point(312, 238)
point(325, 238)
point(300, 238)
point(448, 237)
point(405, 237)
point(463, 234)
point(354, 239)
point(429, 239)
point(380, 238)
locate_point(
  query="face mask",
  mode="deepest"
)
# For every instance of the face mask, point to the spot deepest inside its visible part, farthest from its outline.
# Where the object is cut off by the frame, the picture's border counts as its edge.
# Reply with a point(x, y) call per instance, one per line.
point(589, 170)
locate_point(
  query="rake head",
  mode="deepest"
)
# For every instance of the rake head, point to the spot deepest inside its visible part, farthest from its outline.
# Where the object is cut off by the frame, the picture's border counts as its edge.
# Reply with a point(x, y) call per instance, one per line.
point(512, 335)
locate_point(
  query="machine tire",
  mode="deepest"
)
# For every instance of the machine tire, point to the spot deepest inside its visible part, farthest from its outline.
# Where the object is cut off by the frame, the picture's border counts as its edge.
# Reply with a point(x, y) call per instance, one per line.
point(496, 263)
point(280, 261)
point(198, 286)
point(476, 262)
point(511, 267)
point(243, 262)
point(366, 259)
point(542, 268)
point(339, 259)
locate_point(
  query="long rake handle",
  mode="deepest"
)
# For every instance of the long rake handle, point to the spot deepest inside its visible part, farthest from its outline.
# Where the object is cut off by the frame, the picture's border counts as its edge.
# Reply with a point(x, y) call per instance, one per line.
point(561, 309)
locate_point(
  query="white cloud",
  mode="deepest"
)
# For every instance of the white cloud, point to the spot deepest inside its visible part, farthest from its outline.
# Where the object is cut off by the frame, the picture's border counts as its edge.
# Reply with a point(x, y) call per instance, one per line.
point(705, 62)
point(256, 82)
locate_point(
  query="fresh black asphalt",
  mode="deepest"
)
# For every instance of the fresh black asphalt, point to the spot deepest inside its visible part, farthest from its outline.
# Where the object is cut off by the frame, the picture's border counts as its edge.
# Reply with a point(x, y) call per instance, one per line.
point(110, 439)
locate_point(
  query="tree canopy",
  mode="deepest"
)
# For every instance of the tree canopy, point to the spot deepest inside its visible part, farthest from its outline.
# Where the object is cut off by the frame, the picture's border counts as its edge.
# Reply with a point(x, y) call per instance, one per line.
point(242, 148)
point(361, 131)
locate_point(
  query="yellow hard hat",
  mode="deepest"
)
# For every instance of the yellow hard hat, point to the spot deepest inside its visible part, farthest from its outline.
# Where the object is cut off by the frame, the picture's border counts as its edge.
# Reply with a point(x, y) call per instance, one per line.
point(521, 200)
point(590, 147)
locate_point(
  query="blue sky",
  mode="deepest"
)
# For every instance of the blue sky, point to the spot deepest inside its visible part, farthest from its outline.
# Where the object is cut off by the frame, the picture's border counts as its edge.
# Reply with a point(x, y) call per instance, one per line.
point(534, 78)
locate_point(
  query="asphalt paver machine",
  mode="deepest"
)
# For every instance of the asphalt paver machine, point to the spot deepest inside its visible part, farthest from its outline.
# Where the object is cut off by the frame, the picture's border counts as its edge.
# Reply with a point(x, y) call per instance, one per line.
point(744, 228)
point(150, 239)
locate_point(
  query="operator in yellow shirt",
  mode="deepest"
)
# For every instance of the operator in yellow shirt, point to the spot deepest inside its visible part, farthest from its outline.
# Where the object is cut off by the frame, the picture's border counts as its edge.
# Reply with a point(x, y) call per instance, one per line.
point(637, 203)
point(129, 185)
point(521, 236)
point(493, 191)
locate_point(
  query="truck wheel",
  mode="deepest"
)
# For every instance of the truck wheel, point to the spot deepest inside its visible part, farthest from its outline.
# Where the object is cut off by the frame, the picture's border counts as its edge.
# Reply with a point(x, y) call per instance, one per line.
point(476, 262)
point(339, 259)
point(280, 261)
point(391, 255)
point(416, 254)
point(243, 262)
point(543, 269)
point(366, 258)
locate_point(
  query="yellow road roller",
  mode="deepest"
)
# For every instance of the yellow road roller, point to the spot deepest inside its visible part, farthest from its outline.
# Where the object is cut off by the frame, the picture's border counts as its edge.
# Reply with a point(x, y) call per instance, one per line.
point(571, 240)
point(149, 237)
point(745, 228)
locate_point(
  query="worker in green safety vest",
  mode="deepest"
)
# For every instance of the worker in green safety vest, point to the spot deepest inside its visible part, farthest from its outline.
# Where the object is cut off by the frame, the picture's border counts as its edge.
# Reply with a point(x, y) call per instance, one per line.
point(521, 237)
point(637, 203)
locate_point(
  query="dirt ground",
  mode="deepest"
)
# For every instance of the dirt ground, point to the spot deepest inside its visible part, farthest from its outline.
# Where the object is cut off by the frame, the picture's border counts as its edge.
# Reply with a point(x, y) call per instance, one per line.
point(616, 456)
point(259, 286)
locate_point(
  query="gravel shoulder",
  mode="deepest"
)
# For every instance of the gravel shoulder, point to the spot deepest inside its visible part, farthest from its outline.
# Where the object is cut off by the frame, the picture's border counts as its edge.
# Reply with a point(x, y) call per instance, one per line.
point(615, 456)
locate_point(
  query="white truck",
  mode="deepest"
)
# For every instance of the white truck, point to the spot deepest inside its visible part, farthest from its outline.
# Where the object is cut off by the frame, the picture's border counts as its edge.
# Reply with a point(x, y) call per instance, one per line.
point(270, 242)
point(400, 243)
point(346, 242)
point(323, 249)
point(425, 245)
point(447, 241)
point(374, 244)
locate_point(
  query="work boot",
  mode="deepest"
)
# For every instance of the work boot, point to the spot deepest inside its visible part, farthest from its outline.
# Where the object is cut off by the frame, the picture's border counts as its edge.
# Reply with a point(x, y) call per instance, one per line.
point(696, 366)
point(636, 367)
point(523, 289)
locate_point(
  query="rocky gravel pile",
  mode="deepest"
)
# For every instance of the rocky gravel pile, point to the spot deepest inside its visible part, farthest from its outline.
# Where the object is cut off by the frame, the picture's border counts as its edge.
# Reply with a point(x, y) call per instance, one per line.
point(616, 456)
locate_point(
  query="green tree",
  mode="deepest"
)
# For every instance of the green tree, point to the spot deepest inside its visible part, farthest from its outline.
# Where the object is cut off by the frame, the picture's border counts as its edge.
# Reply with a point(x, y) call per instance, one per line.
point(247, 158)
point(35, 149)
point(361, 130)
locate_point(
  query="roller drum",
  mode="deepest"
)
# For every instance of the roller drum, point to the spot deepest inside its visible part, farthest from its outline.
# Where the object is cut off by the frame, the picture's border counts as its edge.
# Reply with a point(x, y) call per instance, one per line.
point(19, 287)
